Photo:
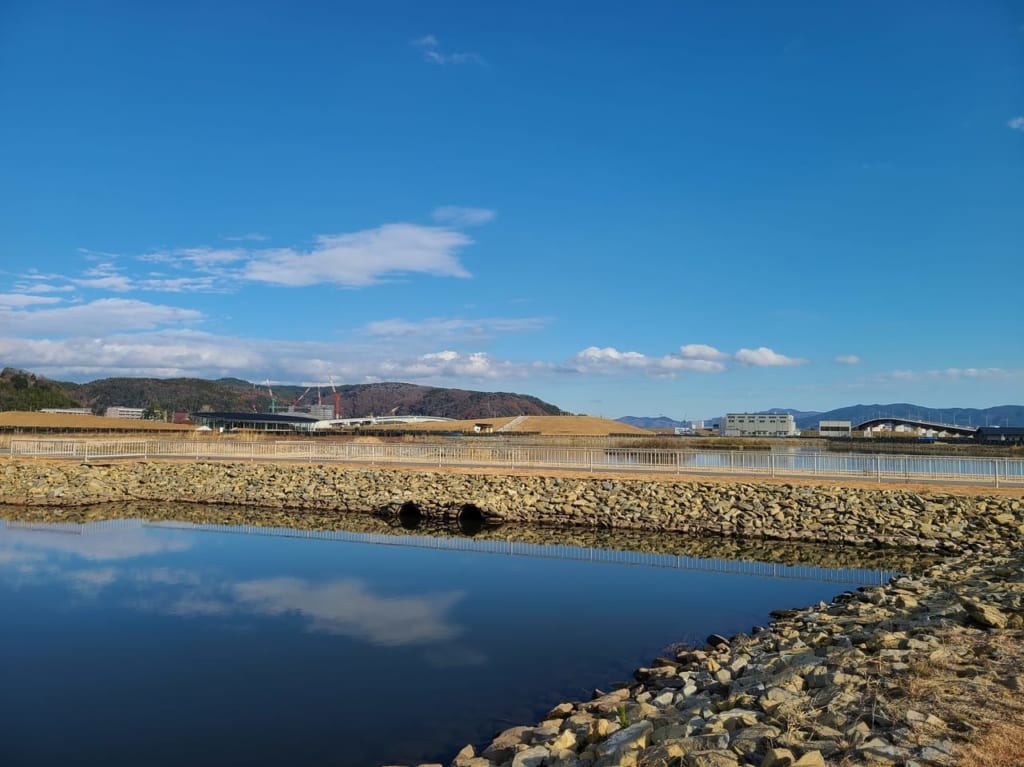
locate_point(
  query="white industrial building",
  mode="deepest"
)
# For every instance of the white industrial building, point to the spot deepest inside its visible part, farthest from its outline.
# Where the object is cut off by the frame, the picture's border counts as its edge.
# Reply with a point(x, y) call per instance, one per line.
point(835, 428)
point(758, 425)
point(124, 412)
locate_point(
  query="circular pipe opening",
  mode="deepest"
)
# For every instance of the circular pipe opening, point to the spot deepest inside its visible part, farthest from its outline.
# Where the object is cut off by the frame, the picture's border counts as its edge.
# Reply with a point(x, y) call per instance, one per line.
point(470, 519)
point(409, 515)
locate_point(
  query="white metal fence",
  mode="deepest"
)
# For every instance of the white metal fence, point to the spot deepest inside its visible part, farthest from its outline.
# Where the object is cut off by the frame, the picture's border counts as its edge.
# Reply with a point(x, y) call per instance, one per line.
point(877, 467)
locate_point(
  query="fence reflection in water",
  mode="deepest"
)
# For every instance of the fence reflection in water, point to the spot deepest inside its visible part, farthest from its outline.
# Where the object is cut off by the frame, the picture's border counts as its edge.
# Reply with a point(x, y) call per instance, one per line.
point(846, 576)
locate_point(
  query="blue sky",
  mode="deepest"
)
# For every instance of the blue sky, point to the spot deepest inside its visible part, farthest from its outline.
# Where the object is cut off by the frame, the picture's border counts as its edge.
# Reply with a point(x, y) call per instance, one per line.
point(638, 208)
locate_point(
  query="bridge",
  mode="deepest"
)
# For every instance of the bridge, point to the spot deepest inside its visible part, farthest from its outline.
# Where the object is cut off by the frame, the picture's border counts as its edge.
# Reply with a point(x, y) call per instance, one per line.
point(948, 428)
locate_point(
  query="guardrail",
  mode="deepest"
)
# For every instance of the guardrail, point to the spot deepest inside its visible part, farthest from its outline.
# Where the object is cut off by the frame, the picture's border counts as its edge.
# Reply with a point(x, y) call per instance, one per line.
point(876, 467)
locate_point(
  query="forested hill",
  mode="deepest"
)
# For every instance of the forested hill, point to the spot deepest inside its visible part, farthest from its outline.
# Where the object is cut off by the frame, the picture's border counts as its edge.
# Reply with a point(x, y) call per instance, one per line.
point(357, 400)
point(21, 390)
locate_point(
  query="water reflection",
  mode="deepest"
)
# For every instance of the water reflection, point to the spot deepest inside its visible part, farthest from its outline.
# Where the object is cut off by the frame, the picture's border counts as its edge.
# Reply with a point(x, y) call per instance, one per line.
point(652, 542)
point(348, 607)
point(132, 625)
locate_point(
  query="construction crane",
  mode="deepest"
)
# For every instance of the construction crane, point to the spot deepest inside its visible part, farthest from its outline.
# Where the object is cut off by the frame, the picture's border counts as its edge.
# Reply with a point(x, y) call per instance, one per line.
point(337, 397)
point(298, 399)
point(273, 399)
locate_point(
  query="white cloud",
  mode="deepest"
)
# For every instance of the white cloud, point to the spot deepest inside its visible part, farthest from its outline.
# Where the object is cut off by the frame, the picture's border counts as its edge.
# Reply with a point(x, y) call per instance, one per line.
point(446, 364)
point(594, 357)
point(163, 354)
point(21, 300)
point(352, 259)
point(694, 366)
point(765, 357)
point(610, 360)
point(1016, 123)
point(105, 277)
point(431, 49)
point(848, 359)
point(161, 284)
point(457, 216)
point(363, 258)
point(701, 351)
point(96, 318)
point(44, 288)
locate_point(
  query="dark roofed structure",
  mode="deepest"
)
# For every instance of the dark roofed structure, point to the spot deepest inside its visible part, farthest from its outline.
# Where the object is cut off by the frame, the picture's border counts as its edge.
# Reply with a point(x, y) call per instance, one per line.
point(1000, 435)
point(256, 421)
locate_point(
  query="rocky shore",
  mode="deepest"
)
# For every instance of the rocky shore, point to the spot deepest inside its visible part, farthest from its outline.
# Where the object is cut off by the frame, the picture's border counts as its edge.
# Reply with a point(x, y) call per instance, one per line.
point(875, 516)
point(926, 670)
point(911, 673)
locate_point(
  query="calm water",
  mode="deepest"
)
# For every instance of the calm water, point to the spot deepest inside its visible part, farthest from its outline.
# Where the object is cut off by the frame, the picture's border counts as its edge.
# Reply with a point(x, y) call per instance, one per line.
point(127, 643)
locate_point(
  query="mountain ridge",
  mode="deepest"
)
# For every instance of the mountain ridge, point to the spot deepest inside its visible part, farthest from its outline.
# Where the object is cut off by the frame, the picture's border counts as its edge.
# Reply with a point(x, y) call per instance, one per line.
point(161, 396)
point(999, 415)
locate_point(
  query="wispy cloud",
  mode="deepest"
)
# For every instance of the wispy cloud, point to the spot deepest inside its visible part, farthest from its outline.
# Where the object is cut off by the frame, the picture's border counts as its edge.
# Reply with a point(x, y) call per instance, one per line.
point(41, 287)
point(21, 299)
point(249, 237)
point(847, 359)
point(951, 374)
point(973, 373)
point(105, 315)
point(436, 328)
point(458, 216)
point(105, 276)
point(363, 258)
point(430, 47)
point(765, 357)
point(1016, 123)
point(167, 353)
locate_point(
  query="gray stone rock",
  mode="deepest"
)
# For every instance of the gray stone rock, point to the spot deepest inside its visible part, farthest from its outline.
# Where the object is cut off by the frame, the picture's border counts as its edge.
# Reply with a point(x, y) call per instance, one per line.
point(985, 614)
point(535, 756)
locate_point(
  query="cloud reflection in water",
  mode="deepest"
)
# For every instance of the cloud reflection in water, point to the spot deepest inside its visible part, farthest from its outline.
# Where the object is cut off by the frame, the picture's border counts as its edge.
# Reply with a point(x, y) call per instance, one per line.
point(347, 607)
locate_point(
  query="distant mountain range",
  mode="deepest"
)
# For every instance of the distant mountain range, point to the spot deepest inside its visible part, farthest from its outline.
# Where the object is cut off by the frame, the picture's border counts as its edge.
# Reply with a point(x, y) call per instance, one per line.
point(1002, 415)
point(22, 390)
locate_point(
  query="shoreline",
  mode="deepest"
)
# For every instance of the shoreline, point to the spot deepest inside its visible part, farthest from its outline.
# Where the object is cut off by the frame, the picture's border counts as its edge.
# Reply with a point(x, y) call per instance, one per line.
point(864, 679)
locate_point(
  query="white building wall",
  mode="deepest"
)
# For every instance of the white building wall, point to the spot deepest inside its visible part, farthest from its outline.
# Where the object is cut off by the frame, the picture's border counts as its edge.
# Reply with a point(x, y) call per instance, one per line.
point(758, 425)
point(124, 412)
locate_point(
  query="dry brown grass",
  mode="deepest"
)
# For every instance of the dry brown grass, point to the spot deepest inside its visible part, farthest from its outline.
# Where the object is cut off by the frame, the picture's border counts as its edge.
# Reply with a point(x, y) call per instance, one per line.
point(17, 419)
point(1002, 745)
point(975, 684)
point(549, 425)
